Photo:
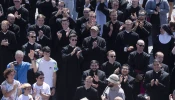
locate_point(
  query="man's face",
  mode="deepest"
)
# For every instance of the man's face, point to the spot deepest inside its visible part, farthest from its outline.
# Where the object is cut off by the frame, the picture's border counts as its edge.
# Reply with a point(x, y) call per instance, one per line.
point(140, 46)
point(135, 3)
point(142, 16)
point(40, 79)
point(60, 6)
point(19, 58)
point(40, 21)
point(111, 56)
point(11, 19)
point(156, 66)
point(110, 84)
point(73, 41)
point(4, 27)
point(92, 17)
point(115, 5)
point(65, 24)
point(160, 57)
point(94, 66)
point(86, 13)
point(46, 54)
point(88, 82)
point(17, 2)
point(32, 37)
point(94, 33)
point(128, 25)
point(125, 70)
point(113, 16)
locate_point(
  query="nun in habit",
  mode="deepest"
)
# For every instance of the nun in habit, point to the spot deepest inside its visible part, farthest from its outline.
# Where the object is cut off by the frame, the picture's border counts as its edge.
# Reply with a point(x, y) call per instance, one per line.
point(164, 43)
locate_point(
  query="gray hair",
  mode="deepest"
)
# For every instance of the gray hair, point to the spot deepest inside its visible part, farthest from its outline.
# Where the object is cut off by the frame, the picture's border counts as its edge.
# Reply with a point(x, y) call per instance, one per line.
point(19, 52)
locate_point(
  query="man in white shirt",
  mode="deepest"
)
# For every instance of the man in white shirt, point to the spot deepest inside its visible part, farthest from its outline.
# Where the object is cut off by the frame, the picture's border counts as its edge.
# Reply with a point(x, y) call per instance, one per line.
point(49, 67)
point(40, 88)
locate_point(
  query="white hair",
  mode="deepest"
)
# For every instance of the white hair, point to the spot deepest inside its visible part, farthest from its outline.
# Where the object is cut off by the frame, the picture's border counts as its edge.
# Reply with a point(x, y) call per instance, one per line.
point(19, 52)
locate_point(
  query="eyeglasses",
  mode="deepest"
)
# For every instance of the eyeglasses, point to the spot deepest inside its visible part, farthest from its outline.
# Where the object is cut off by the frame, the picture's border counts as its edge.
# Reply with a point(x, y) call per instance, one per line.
point(41, 77)
point(141, 45)
point(112, 56)
point(33, 36)
point(125, 68)
point(73, 39)
point(17, 1)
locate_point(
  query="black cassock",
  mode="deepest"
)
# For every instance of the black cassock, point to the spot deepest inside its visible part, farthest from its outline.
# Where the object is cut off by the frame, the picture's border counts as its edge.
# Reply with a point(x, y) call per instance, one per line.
point(70, 73)
point(123, 40)
point(46, 40)
point(7, 52)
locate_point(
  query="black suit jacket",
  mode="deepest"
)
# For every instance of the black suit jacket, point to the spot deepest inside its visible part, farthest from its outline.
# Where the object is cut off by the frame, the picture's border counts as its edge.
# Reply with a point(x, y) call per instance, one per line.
point(102, 79)
point(164, 67)
point(160, 91)
point(26, 49)
point(128, 87)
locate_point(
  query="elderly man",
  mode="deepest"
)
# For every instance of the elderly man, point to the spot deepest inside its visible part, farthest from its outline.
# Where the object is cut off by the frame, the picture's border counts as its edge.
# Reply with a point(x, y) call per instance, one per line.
point(20, 66)
point(113, 89)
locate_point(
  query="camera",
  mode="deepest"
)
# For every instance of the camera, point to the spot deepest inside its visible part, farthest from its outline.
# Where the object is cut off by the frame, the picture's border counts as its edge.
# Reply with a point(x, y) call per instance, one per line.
point(36, 55)
point(15, 63)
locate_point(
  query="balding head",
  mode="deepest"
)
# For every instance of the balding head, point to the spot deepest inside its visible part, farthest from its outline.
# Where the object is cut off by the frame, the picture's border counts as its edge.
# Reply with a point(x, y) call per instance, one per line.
point(11, 18)
point(118, 98)
point(140, 42)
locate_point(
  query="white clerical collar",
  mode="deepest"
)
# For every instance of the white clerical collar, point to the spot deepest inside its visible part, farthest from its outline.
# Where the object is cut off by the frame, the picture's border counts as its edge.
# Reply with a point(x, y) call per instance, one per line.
point(87, 6)
point(31, 43)
point(164, 38)
point(71, 46)
point(5, 32)
point(127, 31)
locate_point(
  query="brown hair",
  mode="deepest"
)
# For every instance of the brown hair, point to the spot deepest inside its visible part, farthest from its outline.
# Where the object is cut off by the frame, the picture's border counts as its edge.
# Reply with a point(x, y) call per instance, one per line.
point(8, 71)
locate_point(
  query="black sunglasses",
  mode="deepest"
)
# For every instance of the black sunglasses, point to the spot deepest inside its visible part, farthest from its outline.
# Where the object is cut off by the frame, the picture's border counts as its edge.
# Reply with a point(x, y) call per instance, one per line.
point(41, 77)
point(141, 45)
point(112, 56)
point(33, 36)
point(73, 39)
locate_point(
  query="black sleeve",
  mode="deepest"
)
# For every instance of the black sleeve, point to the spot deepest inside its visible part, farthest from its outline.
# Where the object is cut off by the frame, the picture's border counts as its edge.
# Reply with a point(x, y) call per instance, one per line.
point(102, 7)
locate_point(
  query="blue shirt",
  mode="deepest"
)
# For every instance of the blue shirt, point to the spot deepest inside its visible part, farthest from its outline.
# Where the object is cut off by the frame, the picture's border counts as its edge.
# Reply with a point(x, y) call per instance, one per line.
point(21, 71)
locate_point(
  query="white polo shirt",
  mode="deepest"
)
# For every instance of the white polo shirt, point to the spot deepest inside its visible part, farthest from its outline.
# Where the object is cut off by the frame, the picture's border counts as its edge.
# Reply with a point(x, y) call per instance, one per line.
point(48, 68)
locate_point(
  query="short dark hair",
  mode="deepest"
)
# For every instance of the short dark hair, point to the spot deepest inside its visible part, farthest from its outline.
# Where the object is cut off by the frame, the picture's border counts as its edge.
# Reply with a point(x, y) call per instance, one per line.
point(94, 61)
point(72, 35)
point(40, 16)
point(8, 71)
point(110, 52)
point(64, 19)
point(38, 73)
point(155, 60)
point(112, 11)
point(46, 49)
point(125, 65)
point(28, 33)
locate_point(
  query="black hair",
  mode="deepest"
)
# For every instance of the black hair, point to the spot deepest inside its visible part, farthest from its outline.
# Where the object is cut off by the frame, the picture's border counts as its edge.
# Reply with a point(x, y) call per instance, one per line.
point(28, 33)
point(46, 49)
point(94, 61)
point(72, 35)
point(38, 73)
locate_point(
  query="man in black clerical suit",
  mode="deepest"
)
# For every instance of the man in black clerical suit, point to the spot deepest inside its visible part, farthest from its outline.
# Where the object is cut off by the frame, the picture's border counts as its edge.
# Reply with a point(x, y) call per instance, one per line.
point(138, 61)
point(111, 29)
point(132, 11)
point(70, 72)
point(94, 48)
point(86, 92)
point(99, 77)
point(143, 28)
point(156, 82)
point(159, 56)
point(82, 20)
point(43, 32)
point(30, 45)
point(126, 42)
point(111, 66)
point(127, 82)
point(115, 5)
point(7, 48)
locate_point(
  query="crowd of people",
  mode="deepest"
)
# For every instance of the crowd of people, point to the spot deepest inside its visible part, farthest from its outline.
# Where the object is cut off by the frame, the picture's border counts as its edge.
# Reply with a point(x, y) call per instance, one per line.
point(87, 50)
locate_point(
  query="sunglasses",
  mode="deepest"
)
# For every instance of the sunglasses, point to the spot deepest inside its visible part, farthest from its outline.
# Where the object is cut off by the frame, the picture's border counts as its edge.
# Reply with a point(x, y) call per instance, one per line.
point(141, 45)
point(41, 77)
point(17, 1)
point(73, 39)
point(33, 36)
point(112, 56)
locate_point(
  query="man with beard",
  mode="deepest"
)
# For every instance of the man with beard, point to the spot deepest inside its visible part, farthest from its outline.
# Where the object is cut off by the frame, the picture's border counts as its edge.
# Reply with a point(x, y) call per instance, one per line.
point(113, 89)
point(99, 77)
point(7, 47)
point(127, 82)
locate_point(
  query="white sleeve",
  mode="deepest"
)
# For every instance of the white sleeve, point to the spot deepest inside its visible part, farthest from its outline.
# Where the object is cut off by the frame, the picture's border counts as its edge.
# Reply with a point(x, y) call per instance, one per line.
point(48, 90)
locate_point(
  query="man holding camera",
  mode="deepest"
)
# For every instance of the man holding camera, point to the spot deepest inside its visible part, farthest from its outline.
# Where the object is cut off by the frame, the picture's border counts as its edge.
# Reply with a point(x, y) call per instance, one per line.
point(21, 67)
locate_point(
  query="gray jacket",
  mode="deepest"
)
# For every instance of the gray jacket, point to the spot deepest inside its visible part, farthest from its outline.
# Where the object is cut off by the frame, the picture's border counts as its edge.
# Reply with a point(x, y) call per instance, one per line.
point(164, 9)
